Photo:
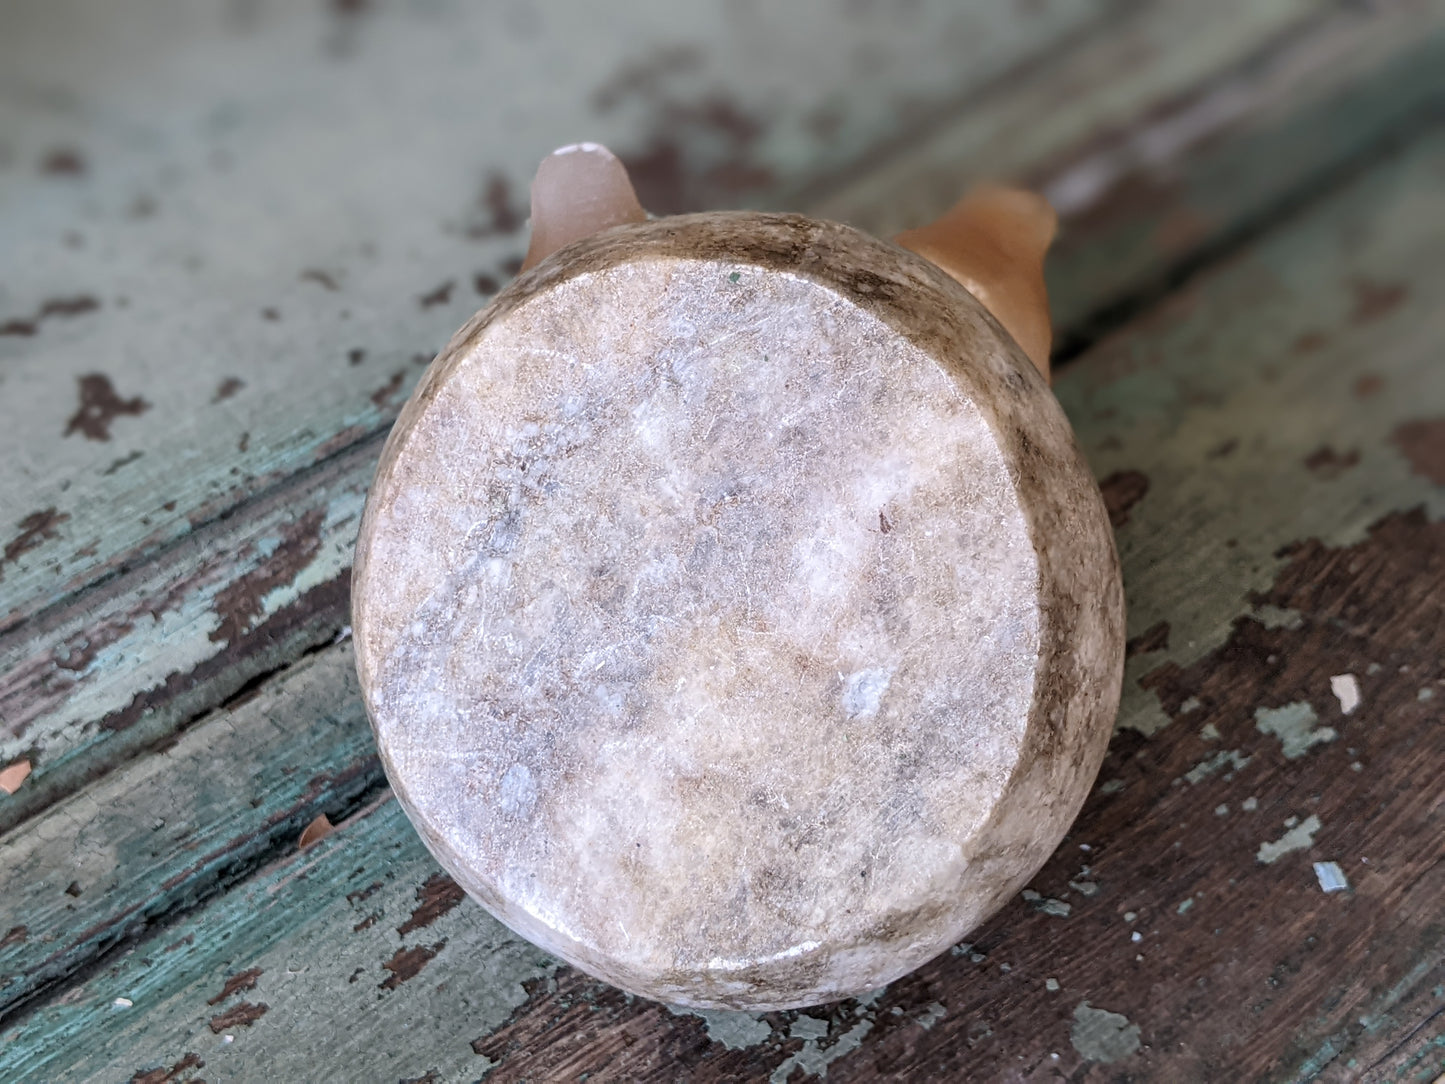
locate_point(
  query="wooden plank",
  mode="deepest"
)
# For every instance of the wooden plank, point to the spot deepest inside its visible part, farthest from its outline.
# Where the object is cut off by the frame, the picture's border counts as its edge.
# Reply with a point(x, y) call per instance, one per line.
point(1270, 440)
point(148, 840)
point(88, 683)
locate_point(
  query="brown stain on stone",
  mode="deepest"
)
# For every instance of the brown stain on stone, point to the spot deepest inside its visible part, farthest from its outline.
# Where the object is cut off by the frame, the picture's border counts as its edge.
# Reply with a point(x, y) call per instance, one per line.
point(168, 1076)
point(486, 285)
point(227, 388)
point(1154, 638)
point(407, 964)
point(1309, 342)
point(99, 407)
point(56, 307)
point(435, 897)
point(1121, 491)
point(237, 983)
point(239, 604)
point(1423, 444)
point(1324, 462)
point(1375, 299)
point(240, 1016)
point(16, 935)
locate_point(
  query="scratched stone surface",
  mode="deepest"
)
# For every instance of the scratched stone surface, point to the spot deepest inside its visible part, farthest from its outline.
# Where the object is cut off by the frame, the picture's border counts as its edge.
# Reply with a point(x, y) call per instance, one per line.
point(1253, 367)
point(735, 613)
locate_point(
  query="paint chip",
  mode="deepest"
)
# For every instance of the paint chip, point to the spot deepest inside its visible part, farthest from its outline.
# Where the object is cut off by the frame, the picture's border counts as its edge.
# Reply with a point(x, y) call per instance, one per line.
point(1230, 758)
point(316, 831)
point(1184, 905)
point(1209, 732)
point(1331, 877)
point(122, 1003)
point(734, 1030)
point(1297, 838)
point(1294, 726)
point(1051, 985)
point(1250, 804)
point(1347, 692)
point(1136, 937)
point(1221, 810)
point(1104, 1036)
point(14, 775)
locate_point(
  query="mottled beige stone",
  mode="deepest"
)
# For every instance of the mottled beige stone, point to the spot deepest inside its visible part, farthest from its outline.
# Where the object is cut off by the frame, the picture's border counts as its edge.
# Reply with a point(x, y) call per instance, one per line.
point(736, 615)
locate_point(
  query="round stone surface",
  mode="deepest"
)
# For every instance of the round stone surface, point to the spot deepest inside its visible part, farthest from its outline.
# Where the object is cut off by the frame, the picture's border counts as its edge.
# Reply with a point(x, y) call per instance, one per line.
point(736, 617)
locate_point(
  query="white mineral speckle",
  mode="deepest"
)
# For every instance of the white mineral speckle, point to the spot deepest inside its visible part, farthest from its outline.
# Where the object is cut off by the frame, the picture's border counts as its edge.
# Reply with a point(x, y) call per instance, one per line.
point(518, 791)
point(864, 692)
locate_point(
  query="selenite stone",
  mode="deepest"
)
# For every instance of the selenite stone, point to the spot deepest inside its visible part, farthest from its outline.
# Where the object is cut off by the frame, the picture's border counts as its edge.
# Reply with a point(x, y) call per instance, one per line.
point(736, 616)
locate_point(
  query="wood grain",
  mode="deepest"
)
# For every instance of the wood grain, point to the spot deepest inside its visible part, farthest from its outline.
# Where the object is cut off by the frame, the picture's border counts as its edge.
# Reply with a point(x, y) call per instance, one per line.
point(120, 666)
point(1291, 530)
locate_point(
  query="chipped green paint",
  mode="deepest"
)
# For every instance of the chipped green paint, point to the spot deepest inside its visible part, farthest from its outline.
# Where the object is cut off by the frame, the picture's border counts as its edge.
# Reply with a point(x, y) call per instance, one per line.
point(1298, 838)
point(815, 1057)
point(734, 1030)
point(1225, 758)
point(1294, 725)
point(1101, 1035)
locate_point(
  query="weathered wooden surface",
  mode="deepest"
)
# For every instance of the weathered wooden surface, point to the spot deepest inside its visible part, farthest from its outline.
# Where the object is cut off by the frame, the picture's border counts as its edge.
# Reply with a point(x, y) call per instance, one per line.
point(118, 667)
point(1270, 435)
point(1271, 438)
point(245, 593)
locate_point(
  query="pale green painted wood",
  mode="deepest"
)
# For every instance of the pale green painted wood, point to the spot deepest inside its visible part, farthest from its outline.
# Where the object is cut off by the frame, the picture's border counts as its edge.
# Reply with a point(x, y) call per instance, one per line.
point(146, 840)
point(335, 170)
point(121, 665)
point(1217, 362)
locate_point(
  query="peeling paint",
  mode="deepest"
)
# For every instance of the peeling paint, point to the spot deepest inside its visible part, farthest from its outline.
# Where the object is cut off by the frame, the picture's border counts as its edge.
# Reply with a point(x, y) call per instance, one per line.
point(1298, 838)
point(1294, 726)
point(1103, 1036)
point(734, 1030)
point(1225, 758)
